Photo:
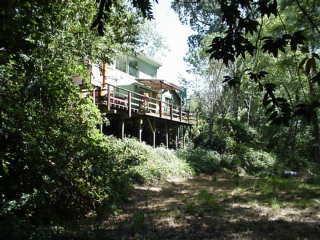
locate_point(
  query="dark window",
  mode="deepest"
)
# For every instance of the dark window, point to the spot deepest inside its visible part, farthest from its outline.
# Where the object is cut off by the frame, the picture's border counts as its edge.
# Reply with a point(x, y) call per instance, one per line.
point(133, 68)
point(121, 64)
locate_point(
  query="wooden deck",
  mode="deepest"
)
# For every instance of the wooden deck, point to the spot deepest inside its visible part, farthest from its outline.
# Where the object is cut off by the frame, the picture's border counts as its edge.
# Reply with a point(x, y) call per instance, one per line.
point(134, 103)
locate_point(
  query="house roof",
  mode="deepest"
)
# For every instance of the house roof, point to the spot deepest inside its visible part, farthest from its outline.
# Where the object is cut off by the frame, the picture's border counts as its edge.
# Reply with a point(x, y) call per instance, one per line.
point(144, 86)
point(160, 84)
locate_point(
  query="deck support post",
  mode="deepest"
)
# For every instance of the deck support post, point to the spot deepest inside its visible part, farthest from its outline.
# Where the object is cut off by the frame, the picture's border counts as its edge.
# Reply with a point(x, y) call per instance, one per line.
point(140, 130)
point(129, 104)
point(167, 135)
point(180, 111)
point(160, 108)
point(122, 129)
point(154, 138)
point(176, 142)
point(177, 137)
point(153, 129)
point(183, 137)
point(109, 98)
point(152, 125)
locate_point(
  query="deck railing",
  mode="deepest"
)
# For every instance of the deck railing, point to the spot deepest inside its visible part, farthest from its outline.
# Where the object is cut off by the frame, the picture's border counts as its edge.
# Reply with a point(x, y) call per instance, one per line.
point(121, 98)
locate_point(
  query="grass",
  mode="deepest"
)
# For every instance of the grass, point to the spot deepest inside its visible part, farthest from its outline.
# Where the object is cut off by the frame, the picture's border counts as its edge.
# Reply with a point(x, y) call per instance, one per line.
point(209, 207)
point(162, 164)
point(292, 193)
point(220, 207)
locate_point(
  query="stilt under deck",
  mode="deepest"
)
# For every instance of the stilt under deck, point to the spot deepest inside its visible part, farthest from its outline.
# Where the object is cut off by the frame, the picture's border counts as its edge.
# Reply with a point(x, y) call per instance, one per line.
point(147, 119)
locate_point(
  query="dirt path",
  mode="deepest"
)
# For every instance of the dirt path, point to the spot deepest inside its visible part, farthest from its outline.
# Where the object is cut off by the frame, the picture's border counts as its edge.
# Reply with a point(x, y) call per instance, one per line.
point(218, 207)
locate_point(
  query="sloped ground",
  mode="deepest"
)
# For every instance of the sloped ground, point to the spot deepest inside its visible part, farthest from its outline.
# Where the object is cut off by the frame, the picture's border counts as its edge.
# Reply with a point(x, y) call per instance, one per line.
point(204, 207)
point(219, 207)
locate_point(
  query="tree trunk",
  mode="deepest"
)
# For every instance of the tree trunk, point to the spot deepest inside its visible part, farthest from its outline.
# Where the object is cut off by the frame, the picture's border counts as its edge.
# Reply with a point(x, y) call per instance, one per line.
point(314, 122)
point(315, 136)
point(235, 108)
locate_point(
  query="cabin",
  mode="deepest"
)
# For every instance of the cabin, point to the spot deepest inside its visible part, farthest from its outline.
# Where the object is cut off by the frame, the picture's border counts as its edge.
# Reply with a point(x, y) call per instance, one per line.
point(138, 104)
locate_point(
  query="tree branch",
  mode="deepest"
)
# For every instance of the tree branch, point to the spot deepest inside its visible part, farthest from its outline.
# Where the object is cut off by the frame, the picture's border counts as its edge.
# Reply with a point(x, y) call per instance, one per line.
point(308, 17)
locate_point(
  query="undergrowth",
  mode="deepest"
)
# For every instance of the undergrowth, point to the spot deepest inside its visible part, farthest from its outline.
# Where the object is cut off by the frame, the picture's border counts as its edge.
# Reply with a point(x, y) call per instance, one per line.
point(161, 164)
point(229, 144)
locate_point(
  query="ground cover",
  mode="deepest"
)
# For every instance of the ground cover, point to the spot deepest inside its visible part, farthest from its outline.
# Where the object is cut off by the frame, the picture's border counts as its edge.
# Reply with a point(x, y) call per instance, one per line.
point(209, 207)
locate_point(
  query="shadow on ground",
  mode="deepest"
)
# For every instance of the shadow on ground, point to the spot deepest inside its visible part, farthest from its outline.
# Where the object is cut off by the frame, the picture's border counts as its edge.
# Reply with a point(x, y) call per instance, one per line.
point(215, 207)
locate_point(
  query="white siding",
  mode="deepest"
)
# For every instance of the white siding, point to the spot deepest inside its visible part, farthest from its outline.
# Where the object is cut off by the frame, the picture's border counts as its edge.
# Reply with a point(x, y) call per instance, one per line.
point(96, 76)
point(117, 77)
point(142, 75)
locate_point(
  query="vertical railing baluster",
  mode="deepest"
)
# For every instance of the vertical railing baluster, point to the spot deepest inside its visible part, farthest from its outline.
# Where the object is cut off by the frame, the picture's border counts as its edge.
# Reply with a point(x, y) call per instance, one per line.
point(109, 103)
point(129, 103)
point(180, 112)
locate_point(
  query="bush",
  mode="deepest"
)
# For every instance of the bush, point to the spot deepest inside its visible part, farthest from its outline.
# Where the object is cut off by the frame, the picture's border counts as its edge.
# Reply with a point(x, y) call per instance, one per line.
point(230, 161)
point(208, 161)
point(230, 144)
point(255, 161)
point(240, 131)
point(202, 160)
point(161, 164)
point(225, 134)
point(315, 180)
point(111, 176)
point(47, 165)
point(211, 141)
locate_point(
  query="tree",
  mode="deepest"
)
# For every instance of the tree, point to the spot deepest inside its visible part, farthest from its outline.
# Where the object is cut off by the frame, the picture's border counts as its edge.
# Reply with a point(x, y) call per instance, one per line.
point(202, 16)
point(151, 42)
point(252, 30)
point(48, 136)
point(105, 8)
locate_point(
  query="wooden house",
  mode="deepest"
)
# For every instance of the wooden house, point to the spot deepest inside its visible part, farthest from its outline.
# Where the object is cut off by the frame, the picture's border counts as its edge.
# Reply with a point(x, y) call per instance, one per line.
point(138, 104)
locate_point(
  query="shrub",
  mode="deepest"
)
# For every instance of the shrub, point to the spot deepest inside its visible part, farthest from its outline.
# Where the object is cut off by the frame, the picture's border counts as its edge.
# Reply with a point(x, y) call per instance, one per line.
point(161, 164)
point(230, 161)
point(96, 173)
point(315, 180)
point(241, 132)
point(211, 141)
point(48, 171)
point(234, 145)
point(112, 169)
point(257, 161)
point(225, 135)
point(202, 160)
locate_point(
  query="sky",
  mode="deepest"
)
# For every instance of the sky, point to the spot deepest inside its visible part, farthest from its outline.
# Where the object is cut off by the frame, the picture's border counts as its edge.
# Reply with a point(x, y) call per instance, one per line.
point(176, 35)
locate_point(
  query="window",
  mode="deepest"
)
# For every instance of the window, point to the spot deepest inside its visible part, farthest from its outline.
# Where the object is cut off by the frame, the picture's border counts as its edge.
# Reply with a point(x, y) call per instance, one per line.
point(121, 64)
point(128, 66)
point(133, 68)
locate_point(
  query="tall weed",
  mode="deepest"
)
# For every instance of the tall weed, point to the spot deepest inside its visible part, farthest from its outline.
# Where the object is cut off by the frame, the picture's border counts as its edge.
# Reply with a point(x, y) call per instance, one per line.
point(162, 164)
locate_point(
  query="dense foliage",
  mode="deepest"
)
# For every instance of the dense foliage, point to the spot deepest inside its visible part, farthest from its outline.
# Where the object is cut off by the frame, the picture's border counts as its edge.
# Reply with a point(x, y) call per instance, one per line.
point(256, 63)
point(54, 163)
point(49, 140)
point(232, 145)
